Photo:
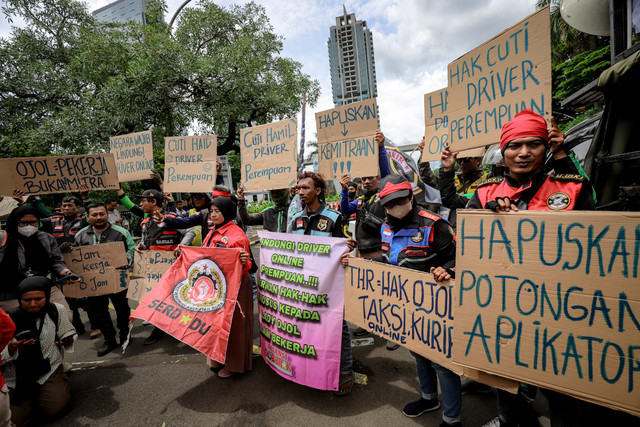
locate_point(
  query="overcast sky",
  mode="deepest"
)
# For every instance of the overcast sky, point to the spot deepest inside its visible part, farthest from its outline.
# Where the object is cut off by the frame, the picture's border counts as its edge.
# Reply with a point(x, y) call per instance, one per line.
point(414, 40)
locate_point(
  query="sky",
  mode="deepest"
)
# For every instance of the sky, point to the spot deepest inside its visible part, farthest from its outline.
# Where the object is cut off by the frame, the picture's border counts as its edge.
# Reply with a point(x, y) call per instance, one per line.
point(413, 40)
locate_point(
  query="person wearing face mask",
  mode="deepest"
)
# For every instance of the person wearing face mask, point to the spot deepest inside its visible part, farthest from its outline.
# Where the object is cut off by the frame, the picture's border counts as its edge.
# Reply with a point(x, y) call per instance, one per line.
point(28, 252)
point(32, 361)
point(273, 218)
point(415, 238)
point(225, 234)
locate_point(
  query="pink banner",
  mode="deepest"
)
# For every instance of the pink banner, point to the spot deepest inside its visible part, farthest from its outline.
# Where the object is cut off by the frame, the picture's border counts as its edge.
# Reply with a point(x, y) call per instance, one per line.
point(300, 304)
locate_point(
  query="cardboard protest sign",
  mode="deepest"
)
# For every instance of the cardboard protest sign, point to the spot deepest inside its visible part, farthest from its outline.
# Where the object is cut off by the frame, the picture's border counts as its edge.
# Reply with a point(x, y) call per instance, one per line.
point(269, 158)
point(7, 205)
point(489, 85)
point(190, 163)
point(96, 266)
point(346, 140)
point(133, 154)
point(552, 299)
point(404, 306)
point(300, 306)
point(62, 174)
point(148, 268)
point(195, 299)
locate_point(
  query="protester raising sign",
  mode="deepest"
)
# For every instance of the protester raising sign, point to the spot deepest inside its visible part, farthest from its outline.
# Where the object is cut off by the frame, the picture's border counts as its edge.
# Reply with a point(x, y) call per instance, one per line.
point(269, 159)
point(488, 86)
point(148, 268)
point(134, 155)
point(190, 163)
point(300, 307)
point(97, 267)
point(552, 299)
point(346, 140)
point(195, 299)
point(404, 306)
point(45, 175)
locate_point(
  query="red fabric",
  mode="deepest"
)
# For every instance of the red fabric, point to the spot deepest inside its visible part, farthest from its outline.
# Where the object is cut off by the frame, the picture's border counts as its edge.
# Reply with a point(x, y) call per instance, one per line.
point(206, 331)
point(7, 329)
point(525, 124)
point(392, 188)
point(218, 193)
point(540, 201)
point(229, 236)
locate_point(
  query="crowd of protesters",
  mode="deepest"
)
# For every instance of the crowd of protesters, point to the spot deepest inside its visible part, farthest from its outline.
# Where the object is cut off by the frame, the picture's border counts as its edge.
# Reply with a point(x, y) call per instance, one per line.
point(391, 227)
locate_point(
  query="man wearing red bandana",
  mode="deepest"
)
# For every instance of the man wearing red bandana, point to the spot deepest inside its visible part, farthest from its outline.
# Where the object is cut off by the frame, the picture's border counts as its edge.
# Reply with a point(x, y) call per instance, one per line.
point(524, 142)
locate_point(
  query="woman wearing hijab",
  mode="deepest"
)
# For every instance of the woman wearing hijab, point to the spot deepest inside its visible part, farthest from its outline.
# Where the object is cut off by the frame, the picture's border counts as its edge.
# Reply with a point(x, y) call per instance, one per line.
point(28, 252)
point(33, 358)
point(225, 234)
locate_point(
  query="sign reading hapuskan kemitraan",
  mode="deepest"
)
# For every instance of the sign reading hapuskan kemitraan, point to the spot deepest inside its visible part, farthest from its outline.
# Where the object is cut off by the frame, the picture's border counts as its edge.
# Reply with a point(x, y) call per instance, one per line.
point(404, 306)
point(269, 158)
point(133, 154)
point(488, 86)
point(300, 305)
point(61, 174)
point(346, 140)
point(148, 268)
point(97, 267)
point(552, 299)
point(190, 163)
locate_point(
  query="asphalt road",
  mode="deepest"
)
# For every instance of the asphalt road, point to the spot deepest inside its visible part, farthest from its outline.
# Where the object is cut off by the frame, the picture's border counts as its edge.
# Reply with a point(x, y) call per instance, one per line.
point(169, 384)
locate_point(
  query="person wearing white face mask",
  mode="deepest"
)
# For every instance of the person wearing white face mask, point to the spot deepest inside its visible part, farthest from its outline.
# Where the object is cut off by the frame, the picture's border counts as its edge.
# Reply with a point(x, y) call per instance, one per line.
point(25, 251)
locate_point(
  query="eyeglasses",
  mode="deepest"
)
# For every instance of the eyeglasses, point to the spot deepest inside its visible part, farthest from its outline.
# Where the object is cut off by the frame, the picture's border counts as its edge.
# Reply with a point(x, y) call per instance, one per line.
point(465, 159)
point(25, 223)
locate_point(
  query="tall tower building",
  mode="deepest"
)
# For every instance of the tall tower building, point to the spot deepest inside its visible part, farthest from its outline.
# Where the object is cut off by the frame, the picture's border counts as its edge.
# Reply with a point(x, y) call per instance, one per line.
point(123, 11)
point(353, 69)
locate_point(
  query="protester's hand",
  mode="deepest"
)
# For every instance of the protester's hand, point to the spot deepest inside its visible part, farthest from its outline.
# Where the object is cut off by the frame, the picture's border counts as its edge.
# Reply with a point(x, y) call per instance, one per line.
point(345, 259)
point(504, 204)
point(351, 243)
point(167, 196)
point(157, 179)
point(448, 158)
point(344, 181)
point(177, 251)
point(440, 274)
point(158, 217)
point(15, 345)
point(244, 257)
point(421, 145)
point(84, 191)
point(556, 140)
point(65, 247)
point(218, 166)
point(380, 138)
point(140, 248)
point(18, 196)
point(240, 192)
point(65, 342)
point(67, 272)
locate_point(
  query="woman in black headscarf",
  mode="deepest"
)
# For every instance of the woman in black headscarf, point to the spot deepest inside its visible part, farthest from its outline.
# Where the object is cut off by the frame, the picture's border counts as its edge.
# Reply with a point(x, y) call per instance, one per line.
point(225, 234)
point(28, 252)
point(33, 358)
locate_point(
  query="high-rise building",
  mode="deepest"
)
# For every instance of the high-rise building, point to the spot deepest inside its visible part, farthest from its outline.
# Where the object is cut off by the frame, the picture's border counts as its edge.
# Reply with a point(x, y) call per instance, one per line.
point(353, 69)
point(123, 11)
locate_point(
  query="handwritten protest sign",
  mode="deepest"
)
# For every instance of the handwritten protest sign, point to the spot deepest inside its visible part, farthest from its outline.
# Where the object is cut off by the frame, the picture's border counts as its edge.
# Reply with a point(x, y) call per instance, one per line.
point(489, 85)
point(133, 154)
point(269, 158)
point(300, 306)
point(346, 140)
point(404, 306)
point(190, 163)
point(148, 268)
point(46, 175)
point(7, 205)
point(96, 266)
point(552, 299)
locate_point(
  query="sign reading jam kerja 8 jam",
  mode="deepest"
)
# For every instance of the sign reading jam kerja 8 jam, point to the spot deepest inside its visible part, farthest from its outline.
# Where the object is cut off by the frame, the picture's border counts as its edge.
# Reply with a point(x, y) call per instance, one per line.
point(552, 299)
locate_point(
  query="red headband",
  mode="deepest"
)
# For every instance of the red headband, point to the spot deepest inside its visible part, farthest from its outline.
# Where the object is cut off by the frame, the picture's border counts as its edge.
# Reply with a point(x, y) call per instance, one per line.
point(524, 125)
point(392, 188)
point(218, 193)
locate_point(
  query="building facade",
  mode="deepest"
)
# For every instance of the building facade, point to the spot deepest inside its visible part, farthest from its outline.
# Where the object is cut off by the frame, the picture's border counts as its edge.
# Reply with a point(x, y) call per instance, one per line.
point(123, 11)
point(351, 60)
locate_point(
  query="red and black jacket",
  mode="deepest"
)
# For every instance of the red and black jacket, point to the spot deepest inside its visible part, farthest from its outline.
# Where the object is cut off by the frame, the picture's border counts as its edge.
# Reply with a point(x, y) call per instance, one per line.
point(158, 237)
point(64, 229)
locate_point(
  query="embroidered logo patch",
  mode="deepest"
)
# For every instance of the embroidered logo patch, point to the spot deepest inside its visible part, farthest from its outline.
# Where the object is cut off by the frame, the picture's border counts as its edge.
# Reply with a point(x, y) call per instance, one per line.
point(322, 224)
point(418, 237)
point(558, 201)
